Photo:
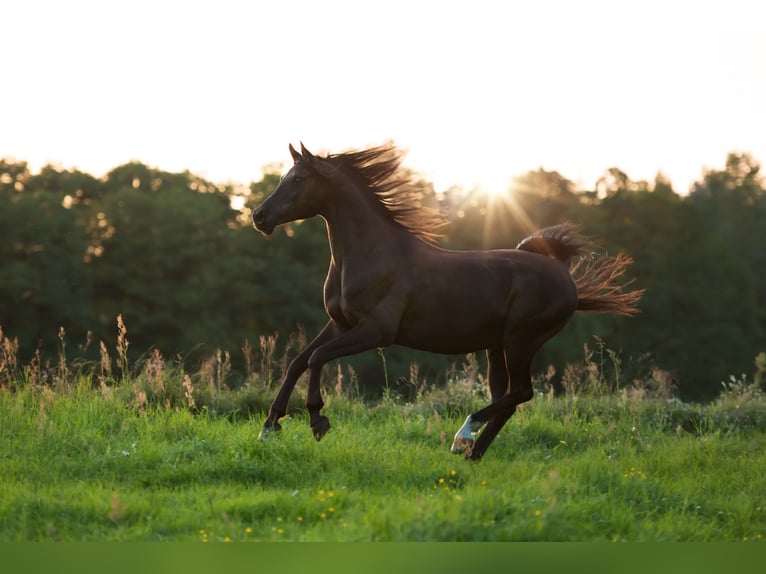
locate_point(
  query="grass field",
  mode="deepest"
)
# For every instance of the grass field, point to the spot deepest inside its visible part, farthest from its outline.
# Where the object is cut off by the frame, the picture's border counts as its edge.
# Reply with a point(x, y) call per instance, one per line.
point(81, 461)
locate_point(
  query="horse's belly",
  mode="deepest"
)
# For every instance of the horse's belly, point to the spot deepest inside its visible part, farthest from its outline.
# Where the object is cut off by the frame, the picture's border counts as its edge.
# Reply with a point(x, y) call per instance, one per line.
point(451, 331)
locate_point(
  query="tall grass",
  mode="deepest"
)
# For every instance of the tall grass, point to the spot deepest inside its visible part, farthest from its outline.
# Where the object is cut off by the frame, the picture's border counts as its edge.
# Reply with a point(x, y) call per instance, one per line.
point(151, 451)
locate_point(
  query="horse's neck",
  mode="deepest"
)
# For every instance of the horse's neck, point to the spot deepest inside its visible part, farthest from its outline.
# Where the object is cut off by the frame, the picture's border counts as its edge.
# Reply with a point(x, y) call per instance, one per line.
point(361, 229)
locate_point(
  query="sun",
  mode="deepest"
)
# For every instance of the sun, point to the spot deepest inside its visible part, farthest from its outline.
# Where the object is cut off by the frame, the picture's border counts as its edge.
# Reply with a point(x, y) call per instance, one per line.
point(495, 189)
point(503, 210)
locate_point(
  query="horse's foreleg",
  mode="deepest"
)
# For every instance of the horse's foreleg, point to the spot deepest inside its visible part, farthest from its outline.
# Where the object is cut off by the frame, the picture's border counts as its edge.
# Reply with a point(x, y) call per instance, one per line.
point(297, 367)
point(320, 424)
point(361, 337)
point(278, 408)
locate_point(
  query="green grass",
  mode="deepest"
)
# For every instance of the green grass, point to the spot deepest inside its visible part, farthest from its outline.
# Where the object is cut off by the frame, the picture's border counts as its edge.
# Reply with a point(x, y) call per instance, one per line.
point(79, 463)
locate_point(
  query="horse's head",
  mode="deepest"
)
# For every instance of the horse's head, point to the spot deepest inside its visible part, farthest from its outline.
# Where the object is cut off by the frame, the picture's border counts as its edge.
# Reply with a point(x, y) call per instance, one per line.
point(301, 193)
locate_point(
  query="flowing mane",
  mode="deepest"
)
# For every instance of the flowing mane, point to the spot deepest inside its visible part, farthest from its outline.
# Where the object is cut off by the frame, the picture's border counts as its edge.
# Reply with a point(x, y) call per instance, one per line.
point(379, 170)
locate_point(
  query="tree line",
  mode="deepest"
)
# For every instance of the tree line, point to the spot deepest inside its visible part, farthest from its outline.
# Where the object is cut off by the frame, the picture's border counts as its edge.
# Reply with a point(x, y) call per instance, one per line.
point(170, 254)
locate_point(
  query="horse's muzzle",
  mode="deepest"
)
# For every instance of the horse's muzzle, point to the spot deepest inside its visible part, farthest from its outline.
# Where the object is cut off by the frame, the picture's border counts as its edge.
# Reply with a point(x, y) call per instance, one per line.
point(261, 222)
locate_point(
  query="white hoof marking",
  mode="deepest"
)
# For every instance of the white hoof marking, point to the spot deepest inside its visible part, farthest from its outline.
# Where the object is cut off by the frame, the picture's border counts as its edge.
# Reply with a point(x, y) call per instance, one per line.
point(463, 441)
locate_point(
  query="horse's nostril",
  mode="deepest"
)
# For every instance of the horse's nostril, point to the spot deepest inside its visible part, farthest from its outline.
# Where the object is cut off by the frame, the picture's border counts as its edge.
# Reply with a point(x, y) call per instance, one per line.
point(258, 217)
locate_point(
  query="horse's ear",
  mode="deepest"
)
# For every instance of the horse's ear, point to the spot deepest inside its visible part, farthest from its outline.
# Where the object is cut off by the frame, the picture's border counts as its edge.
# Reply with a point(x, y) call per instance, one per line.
point(306, 153)
point(296, 156)
point(318, 163)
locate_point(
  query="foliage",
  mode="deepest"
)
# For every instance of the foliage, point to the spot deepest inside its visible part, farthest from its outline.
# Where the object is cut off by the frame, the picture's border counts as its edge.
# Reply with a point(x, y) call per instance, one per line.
point(189, 274)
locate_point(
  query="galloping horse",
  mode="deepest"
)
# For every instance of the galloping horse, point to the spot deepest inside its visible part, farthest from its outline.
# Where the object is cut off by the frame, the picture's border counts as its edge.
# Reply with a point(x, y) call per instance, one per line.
point(388, 283)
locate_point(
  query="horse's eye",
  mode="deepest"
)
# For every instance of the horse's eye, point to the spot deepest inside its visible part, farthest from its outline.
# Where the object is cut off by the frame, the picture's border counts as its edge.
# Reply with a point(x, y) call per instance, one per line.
point(298, 179)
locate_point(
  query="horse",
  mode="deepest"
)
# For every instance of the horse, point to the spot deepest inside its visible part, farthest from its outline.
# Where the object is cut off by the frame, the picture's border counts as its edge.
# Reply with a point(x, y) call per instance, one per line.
point(389, 283)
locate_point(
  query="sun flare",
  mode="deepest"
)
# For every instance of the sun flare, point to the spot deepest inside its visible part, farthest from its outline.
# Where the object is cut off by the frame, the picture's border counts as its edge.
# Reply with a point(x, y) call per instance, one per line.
point(503, 210)
point(495, 189)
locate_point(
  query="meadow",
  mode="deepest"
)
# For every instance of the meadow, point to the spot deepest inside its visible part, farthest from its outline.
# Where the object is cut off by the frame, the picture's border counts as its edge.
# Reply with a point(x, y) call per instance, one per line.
point(153, 453)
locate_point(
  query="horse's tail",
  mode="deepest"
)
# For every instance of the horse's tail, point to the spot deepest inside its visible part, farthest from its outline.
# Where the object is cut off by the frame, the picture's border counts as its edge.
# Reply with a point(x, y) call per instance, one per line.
point(596, 276)
point(562, 242)
point(598, 287)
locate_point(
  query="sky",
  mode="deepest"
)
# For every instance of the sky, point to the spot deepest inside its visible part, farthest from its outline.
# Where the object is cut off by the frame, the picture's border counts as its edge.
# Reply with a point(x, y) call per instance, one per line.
point(475, 92)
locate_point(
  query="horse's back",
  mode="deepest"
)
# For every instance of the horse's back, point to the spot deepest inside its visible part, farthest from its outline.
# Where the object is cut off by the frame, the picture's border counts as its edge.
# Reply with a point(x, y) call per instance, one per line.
point(498, 275)
point(461, 301)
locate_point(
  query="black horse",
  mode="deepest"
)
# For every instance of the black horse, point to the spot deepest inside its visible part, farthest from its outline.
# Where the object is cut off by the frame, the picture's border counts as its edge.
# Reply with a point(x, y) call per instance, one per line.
point(389, 284)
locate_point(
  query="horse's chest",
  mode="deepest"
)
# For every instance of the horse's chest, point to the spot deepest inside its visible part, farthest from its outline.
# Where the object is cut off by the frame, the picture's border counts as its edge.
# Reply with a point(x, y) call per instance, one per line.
point(332, 299)
point(340, 303)
point(348, 299)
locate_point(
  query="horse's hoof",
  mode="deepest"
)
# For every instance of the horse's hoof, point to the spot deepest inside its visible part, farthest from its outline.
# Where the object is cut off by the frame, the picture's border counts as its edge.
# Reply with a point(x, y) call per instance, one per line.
point(320, 427)
point(474, 456)
point(464, 440)
point(269, 431)
point(462, 445)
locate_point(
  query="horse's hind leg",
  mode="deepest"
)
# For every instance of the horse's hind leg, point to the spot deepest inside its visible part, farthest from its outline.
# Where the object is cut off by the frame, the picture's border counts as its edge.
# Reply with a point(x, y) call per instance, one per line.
point(518, 363)
point(498, 388)
point(489, 433)
point(499, 382)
